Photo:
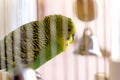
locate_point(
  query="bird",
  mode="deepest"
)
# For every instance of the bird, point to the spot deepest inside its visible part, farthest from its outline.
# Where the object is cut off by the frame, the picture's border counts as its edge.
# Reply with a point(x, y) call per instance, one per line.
point(33, 44)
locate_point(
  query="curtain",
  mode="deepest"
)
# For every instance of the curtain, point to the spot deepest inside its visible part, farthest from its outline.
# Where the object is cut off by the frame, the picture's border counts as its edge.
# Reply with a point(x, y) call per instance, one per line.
point(14, 13)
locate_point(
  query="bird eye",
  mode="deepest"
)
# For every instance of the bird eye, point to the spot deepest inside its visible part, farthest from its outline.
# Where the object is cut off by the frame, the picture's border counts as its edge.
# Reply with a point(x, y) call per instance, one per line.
point(69, 30)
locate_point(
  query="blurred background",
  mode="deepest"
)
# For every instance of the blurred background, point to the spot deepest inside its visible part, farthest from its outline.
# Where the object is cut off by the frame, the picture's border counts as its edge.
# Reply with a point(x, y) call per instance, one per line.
point(100, 16)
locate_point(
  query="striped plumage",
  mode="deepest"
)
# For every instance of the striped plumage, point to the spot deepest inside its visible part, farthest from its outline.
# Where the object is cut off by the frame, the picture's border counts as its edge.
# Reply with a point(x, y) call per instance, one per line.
point(34, 43)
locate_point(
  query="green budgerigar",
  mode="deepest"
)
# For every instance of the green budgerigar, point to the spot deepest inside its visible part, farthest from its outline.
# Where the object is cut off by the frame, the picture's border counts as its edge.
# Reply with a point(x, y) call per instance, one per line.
point(35, 43)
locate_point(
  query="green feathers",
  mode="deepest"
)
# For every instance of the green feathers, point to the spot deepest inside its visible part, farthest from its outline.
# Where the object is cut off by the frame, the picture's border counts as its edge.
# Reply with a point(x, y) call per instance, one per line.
point(34, 43)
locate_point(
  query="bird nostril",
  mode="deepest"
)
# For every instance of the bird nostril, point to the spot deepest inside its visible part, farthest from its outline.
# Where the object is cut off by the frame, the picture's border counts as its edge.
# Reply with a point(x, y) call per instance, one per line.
point(73, 36)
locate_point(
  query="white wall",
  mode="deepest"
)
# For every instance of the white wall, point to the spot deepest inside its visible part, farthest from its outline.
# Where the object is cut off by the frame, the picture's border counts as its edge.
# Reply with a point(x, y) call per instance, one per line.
point(115, 23)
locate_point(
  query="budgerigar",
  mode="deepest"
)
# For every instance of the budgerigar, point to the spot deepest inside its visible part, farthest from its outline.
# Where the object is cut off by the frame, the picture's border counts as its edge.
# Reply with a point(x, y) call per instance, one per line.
point(35, 43)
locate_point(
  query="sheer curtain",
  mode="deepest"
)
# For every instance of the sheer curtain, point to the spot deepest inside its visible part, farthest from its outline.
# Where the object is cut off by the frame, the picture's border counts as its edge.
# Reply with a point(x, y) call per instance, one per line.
point(14, 13)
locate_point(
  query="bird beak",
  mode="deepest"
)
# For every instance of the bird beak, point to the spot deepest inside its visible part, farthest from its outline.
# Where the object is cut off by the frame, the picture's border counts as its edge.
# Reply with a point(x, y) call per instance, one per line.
point(69, 41)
